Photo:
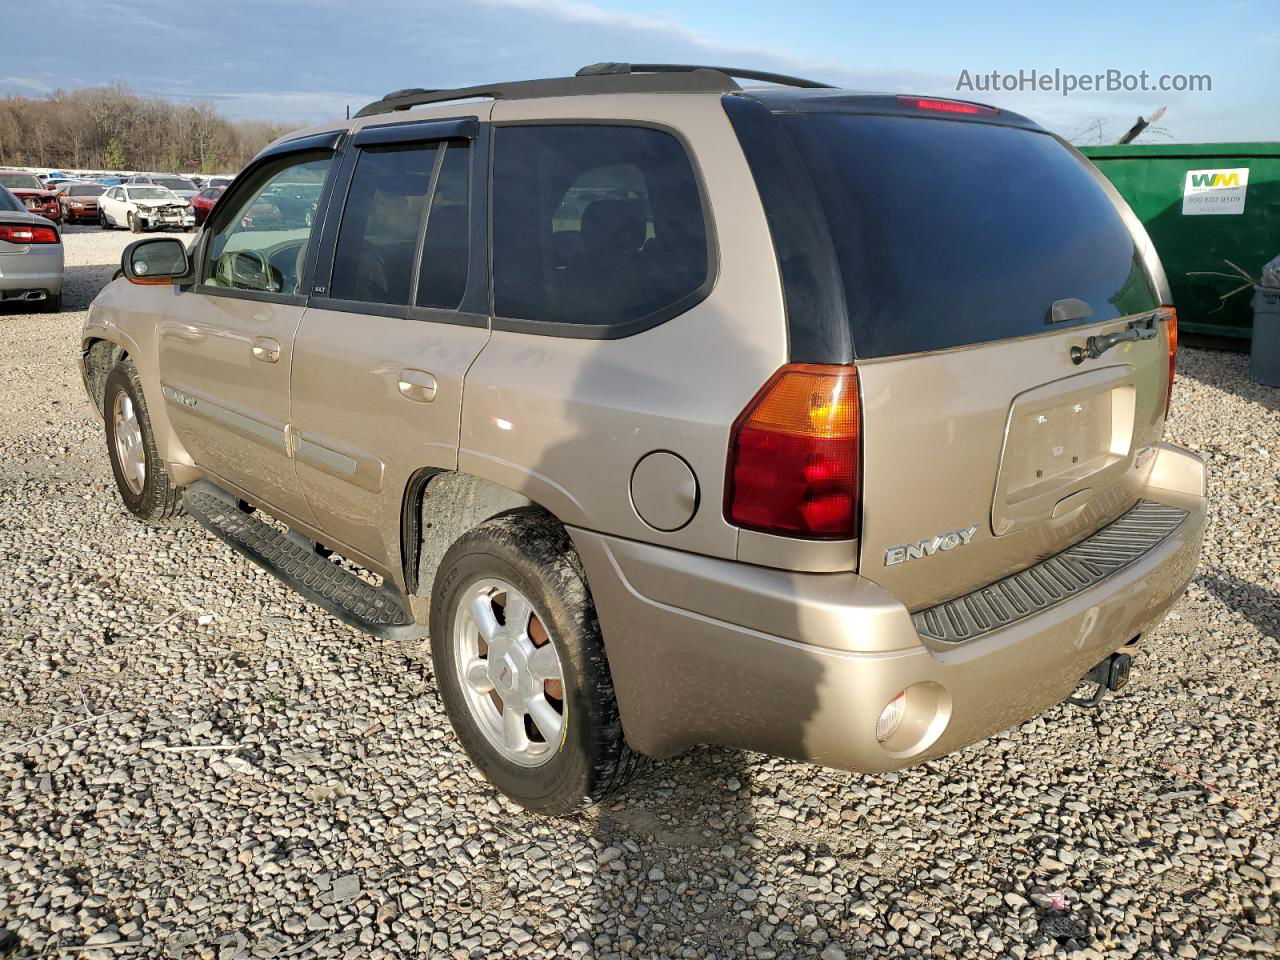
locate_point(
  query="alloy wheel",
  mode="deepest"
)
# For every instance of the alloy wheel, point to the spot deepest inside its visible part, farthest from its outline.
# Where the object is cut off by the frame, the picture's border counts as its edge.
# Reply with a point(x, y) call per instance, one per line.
point(510, 672)
point(130, 452)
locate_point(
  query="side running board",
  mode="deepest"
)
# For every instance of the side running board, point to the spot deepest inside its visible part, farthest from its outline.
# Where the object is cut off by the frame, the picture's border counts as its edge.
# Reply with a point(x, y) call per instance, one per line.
point(381, 610)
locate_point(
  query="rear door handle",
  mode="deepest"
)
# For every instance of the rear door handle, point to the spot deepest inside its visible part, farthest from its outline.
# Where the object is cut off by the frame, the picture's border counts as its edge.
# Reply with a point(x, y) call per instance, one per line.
point(417, 385)
point(266, 349)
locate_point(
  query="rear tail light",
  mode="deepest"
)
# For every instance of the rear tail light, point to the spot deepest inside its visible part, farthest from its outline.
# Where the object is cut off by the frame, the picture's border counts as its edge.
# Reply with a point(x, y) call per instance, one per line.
point(947, 106)
point(1172, 326)
point(794, 455)
point(25, 234)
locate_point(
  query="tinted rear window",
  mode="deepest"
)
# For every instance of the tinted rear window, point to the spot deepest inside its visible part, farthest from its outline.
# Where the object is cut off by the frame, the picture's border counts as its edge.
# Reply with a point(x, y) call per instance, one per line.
point(953, 233)
point(595, 225)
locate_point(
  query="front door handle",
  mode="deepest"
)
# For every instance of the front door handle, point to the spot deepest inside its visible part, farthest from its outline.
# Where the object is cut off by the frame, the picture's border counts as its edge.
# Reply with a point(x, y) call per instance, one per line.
point(417, 385)
point(266, 349)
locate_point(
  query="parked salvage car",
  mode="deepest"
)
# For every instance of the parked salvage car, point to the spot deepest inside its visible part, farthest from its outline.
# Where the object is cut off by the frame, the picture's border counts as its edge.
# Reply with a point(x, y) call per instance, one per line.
point(181, 186)
point(31, 260)
point(79, 202)
point(144, 207)
point(33, 194)
point(799, 420)
point(202, 203)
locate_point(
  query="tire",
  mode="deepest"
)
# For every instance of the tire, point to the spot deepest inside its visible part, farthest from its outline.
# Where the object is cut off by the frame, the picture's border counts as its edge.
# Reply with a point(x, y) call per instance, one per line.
point(156, 498)
point(530, 551)
point(103, 222)
point(135, 225)
point(53, 304)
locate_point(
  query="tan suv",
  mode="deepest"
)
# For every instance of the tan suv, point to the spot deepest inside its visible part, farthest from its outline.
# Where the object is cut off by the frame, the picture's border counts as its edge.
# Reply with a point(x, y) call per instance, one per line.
point(811, 422)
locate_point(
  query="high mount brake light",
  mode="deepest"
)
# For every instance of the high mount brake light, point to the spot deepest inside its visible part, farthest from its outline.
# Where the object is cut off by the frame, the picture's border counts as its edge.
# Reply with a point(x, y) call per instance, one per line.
point(794, 455)
point(28, 234)
point(1172, 327)
point(947, 106)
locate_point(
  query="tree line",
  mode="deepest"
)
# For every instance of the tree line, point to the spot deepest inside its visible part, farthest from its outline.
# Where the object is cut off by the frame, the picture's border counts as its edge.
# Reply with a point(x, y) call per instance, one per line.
point(113, 128)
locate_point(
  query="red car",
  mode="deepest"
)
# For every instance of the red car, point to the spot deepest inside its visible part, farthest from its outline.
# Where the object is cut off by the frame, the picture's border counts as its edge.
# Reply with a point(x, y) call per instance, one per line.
point(202, 203)
point(33, 194)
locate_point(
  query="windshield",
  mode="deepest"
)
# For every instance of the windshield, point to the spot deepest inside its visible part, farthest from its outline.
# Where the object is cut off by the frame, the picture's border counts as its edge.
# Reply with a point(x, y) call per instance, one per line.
point(86, 190)
point(150, 193)
point(951, 233)
point(20, 181)
point(175, 183)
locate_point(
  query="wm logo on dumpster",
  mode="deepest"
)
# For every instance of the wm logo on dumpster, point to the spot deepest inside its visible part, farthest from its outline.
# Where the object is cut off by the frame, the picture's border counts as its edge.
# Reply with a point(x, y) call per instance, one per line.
point(1215, 179)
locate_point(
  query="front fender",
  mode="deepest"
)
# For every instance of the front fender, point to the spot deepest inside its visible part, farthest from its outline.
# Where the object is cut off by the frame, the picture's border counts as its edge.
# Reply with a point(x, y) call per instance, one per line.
point(128, 316)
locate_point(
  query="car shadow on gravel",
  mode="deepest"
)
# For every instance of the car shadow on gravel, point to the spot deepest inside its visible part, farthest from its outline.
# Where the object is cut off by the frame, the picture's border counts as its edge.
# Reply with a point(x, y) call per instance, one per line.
point(1258, 604)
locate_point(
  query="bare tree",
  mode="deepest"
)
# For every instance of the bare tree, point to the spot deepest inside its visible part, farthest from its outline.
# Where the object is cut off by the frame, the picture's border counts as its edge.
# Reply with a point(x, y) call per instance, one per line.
point(114, 128)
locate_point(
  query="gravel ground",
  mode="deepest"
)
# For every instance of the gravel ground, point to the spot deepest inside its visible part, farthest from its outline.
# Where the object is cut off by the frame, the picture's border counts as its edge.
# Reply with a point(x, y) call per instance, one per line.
point(198, 764)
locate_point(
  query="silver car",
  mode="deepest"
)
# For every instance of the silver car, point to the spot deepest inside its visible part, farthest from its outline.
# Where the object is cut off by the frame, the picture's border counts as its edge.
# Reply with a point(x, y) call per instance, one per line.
point(30, 256)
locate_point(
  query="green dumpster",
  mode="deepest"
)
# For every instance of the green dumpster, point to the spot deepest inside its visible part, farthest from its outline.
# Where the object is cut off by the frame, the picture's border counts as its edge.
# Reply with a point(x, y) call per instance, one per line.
point(1203, 204)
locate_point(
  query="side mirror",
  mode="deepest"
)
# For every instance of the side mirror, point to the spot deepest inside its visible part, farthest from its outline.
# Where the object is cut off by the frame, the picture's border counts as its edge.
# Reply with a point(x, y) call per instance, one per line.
point(156, 260)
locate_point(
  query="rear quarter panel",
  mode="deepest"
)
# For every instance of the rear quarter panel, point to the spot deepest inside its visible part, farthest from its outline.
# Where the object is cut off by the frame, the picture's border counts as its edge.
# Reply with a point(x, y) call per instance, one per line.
point(564, 421)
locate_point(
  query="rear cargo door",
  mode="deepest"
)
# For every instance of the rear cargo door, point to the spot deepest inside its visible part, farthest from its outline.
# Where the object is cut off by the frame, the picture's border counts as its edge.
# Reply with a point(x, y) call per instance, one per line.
point(975, 257)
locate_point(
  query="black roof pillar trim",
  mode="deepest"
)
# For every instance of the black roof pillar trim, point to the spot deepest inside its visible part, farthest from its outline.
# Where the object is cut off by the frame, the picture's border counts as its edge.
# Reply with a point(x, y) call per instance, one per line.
point(818, 329)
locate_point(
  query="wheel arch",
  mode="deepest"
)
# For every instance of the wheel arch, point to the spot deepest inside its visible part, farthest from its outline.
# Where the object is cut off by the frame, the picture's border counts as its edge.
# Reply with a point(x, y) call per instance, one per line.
point(98, 356)
point(439, 506)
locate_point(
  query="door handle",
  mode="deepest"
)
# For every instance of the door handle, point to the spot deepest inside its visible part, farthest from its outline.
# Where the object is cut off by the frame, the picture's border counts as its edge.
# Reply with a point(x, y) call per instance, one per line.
point(417, 385)
point(266, 349)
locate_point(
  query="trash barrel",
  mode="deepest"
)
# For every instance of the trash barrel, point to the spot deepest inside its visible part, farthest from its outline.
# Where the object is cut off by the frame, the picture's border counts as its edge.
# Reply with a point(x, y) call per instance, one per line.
point(1264, 358)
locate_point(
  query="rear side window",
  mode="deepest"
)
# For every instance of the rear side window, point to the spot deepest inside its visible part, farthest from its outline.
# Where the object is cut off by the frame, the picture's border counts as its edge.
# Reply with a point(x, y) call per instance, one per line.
point(442, 278)
point(379, 234)
point(953, 233)
point(595, 225)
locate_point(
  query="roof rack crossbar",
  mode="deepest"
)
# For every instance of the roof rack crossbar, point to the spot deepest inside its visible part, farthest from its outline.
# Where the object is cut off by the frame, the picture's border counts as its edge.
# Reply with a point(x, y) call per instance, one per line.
point(612, 69)
point(686, 80)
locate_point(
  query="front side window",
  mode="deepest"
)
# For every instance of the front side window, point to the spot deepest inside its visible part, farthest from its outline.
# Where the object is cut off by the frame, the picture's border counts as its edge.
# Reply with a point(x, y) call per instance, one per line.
point(595, 225)
point(261, 241)
point(378, 238)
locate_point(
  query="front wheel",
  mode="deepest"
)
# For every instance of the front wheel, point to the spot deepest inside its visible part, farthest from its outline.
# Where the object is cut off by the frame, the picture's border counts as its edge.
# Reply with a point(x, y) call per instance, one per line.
point(521, 666)
point(103, 222)
point(135, 224)
point(145, 486)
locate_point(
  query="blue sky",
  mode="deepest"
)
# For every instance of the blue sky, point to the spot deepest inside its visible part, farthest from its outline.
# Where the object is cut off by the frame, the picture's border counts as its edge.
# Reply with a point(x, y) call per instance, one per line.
point(303, 61)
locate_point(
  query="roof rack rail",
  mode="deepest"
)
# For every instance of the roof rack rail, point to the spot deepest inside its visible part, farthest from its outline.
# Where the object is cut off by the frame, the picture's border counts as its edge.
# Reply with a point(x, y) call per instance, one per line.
point(613, 69)
point(596, 78)
point(695, 81)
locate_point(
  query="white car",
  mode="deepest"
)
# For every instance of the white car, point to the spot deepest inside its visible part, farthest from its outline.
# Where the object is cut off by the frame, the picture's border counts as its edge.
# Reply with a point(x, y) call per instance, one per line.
point(144, 207)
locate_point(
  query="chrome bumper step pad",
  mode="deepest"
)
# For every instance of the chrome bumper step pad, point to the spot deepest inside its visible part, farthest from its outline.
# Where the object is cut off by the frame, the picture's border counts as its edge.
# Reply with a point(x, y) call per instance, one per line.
point(1051, 581)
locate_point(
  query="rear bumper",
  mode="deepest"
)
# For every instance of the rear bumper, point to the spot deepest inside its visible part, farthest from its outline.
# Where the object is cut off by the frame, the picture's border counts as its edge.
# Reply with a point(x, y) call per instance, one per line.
point(800, 665)
point(37, 269)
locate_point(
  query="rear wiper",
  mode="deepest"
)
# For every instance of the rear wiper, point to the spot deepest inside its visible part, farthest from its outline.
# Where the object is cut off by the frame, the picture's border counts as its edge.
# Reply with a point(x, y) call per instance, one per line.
point(1144, 328)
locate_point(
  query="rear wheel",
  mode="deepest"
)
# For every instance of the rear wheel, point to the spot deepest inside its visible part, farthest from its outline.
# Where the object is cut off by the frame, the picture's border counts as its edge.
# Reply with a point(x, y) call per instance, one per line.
point(521, 665)
point(144, 484)
point(52, 304)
